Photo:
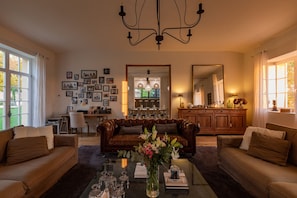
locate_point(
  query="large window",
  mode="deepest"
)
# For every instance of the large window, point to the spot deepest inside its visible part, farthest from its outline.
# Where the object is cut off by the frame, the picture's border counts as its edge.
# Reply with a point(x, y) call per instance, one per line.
point(279, 80)
point(15, 87)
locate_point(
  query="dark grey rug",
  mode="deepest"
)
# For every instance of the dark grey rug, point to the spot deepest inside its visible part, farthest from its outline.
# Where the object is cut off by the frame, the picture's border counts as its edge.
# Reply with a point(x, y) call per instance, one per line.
point(73, 183)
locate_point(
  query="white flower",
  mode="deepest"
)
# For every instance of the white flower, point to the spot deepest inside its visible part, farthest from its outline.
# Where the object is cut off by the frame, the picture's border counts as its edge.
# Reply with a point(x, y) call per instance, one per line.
point(174, 153)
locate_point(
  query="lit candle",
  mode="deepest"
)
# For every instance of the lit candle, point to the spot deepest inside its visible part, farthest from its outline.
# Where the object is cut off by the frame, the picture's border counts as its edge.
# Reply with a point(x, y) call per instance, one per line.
point(124, 162)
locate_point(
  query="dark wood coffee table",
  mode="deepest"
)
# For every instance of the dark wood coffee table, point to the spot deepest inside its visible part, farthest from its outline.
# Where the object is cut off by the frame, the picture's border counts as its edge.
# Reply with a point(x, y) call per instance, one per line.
point(198, 187)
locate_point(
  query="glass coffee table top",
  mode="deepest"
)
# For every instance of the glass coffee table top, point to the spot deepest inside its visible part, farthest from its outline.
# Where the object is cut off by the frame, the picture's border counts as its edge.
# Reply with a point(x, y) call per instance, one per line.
point(198, 187)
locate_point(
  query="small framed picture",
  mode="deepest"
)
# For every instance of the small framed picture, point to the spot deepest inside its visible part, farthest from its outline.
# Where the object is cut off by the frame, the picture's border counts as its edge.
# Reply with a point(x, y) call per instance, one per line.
point(85, 101)
point(80, 84)
point(113, 86)
point(69, 85)
point(101, 79)
point(105, 102)
point(87, 81)
point(74, 100)
point(94, 81)
point(113, 98)
point(106, 88)
point(106, 71)
point(89, 95)
point(91, 74)
point(69, 93)
point(98, 87)
point(69, 109)
point(80, 95)
point(76, 76)
point(69, 75)
point(114, 91)
point(105, 95)
point(97, 97)
point(109, 80)
point(90, 88)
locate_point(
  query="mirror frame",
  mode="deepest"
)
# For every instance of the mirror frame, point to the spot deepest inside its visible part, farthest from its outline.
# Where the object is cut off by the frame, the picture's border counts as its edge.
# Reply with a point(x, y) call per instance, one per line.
point(193, 77)
point(145, 68)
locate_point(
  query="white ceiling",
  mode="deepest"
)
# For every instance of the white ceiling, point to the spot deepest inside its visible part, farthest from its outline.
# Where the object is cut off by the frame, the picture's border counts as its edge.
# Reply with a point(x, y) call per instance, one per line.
point(76, 25)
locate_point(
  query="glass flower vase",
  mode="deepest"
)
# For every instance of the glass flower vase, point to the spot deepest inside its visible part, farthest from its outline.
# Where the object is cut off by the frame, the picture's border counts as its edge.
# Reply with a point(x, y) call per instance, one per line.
point(152, 181)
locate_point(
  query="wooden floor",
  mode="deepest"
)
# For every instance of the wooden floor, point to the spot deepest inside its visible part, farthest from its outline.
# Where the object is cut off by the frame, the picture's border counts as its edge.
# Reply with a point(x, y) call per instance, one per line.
point(94, 139)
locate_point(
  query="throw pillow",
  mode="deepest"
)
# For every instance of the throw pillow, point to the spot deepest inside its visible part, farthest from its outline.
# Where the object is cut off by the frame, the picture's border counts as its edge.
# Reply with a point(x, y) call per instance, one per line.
point(24, 149)
point(5, 136)
point(130, 130)
point(27, 131)
point(170, 128)
point(270, 149)
point(248, 134)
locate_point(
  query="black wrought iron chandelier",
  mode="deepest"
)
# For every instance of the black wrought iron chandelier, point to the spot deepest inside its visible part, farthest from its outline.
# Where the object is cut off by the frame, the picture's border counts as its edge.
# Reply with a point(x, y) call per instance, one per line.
point(159, 34)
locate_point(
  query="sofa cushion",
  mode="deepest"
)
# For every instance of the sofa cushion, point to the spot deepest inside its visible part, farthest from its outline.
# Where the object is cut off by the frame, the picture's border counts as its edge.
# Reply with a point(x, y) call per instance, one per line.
point(27, 131)
point(131, 130)
point(12, 189)
point(282, 190)
point(5, 136)
point(248, 134)
point(170, 128)
point(24, 149)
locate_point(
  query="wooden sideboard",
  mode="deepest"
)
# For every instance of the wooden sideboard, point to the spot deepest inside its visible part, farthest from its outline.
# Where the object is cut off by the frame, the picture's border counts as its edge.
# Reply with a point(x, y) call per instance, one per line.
point(213, 121)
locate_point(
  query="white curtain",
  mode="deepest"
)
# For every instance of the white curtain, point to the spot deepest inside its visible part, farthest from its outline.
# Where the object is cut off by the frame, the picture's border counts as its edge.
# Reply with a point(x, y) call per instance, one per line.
point(39, 90)
point(260, 109)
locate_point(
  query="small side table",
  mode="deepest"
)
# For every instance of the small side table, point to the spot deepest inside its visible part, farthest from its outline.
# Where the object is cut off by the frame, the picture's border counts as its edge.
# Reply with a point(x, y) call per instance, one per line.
point(56, 122)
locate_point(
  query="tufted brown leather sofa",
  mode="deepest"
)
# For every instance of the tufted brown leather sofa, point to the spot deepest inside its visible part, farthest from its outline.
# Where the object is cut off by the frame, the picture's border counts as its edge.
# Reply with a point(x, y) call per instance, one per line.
point(112, 140)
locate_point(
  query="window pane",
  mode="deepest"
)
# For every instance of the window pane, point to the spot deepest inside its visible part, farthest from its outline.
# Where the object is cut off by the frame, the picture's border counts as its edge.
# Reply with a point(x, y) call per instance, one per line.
point(24, 65)
point(281, 86)
point(25, 82)
point(2, 59)
point(271, 72)
point(14, 62)
point(24, 95)
point(281, 71)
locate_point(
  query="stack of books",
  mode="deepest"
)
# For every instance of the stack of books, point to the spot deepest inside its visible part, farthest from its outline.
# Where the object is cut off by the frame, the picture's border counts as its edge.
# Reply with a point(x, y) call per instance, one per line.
point(175, 184)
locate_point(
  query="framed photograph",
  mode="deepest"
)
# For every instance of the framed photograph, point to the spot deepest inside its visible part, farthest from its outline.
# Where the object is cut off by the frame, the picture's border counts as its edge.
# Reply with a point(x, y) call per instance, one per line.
point(87, 81)
point(114, 91)
point(105, 102)
point(105, 95)
point(85, 101)
point(69, 85)
point(69, 93)
point(113, 98)
point(94, 81)
point(106, 71)
point(97, 97)
point(113, 86)
point(90, 88)
point(98, 87)
point(89, 95)
point(81, 95)
point(76, 76)
point(101, 79)
point(74, 100)
point(109, 80)
point(91, 74)
point(106, 88)
point(69, 75)
point(80, 84)
point(69, 109)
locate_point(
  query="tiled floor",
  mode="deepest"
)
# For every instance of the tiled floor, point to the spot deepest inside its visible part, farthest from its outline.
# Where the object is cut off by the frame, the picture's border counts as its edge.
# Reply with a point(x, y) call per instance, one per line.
point(94, 139)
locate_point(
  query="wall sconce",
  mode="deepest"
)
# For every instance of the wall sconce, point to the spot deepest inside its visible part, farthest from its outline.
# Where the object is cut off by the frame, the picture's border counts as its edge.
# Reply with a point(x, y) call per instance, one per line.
point(125, 98)
point(181, 104)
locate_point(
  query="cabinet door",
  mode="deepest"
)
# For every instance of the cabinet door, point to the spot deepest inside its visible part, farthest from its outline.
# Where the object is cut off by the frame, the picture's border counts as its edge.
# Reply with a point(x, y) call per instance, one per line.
point(238, 122)
point(222, 121)
point(205, 122)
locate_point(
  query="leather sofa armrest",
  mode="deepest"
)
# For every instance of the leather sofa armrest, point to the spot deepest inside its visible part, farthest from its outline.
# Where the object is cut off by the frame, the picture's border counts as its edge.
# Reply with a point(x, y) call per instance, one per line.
point(66, 140)
point(228, 141)
point(107, 129)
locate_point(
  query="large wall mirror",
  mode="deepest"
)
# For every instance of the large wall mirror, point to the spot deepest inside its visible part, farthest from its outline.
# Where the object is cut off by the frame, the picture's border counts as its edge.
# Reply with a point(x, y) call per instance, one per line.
point(208, 85)
point(149, 89)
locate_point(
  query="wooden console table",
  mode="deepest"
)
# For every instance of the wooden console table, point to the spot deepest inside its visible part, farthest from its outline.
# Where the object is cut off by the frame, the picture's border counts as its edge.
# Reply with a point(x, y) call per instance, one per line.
point(213, 121)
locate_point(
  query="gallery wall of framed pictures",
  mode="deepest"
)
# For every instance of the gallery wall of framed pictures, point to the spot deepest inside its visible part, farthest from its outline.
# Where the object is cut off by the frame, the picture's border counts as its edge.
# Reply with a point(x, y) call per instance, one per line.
point(90, 86)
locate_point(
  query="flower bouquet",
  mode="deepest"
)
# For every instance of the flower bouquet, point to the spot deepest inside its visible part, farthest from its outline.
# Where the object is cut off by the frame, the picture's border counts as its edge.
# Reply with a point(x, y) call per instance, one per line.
point(154, 151)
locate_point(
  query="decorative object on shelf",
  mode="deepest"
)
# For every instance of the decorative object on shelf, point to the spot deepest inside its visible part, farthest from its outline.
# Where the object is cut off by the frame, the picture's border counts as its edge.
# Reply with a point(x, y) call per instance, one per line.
point(181, 104)
point(158, 32)
point(153, 152)
point(148, 86)
point(240, 102)
point(274, 108)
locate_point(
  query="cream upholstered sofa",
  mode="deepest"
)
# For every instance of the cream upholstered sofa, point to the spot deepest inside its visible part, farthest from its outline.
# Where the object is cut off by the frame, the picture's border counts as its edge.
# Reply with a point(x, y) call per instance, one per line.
point(265, 166)
point(30, 165)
